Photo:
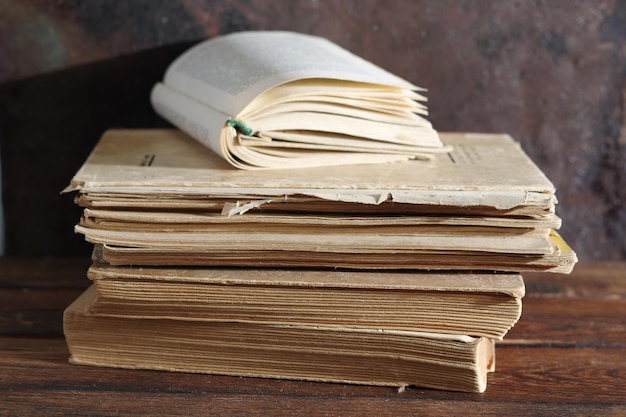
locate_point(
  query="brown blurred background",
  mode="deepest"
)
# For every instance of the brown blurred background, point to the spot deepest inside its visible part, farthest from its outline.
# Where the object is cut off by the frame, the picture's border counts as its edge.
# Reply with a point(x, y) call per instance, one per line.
point(550, 73)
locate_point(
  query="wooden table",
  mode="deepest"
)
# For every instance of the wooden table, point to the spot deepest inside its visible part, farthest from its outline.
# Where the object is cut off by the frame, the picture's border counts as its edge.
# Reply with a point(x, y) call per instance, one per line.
point(566, 357)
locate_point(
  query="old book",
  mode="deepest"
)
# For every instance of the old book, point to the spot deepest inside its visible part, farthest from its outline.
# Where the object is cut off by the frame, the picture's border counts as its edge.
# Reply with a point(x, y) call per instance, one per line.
point(382, 239)
point(146, 226)
point(539, 209)
point(561, 260)
point(274, 99)
point(450, 303)
point(197, 220)
point(485, 174)
point(316, 353)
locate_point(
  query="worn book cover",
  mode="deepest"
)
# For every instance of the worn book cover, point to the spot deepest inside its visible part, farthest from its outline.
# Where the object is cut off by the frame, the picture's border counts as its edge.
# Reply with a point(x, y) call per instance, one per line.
point(451, 303)
point(315, 353)
point(488, 171)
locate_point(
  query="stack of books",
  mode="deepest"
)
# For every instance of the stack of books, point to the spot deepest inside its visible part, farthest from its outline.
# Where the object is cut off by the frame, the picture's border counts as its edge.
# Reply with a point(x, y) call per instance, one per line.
point(380, 252)
point(399, 274)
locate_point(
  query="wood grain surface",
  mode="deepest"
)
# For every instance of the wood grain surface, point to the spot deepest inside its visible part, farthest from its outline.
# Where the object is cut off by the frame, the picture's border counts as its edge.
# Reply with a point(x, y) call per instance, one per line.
point(564, 357)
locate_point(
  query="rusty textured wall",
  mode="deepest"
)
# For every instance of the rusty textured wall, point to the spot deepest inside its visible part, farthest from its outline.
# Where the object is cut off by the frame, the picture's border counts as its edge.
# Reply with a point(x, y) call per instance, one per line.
point(551, 73)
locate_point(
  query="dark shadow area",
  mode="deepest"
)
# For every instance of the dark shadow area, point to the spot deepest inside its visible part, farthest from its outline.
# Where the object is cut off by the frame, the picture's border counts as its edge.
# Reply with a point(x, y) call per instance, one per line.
point(48, 126)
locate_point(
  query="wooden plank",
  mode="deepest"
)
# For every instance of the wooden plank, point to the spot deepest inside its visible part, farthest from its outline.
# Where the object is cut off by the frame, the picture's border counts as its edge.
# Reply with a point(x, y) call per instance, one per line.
point(69, 402)
point(34, 312)
point(570, 322)
point(43, 272)
point(587, 308)
point(599, 279)
point(529, 381)
point(34, 293)
point(589, 280)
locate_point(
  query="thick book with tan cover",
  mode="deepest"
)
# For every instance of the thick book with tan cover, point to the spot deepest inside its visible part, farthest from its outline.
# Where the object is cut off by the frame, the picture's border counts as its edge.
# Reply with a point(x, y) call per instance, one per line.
point(275, 99)
point(316, 353)
point(450, 303)
point(486, 174)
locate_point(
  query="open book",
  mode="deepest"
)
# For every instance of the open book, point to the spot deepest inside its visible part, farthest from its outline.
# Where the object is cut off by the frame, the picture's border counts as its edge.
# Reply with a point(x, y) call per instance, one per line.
point(267, 99)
